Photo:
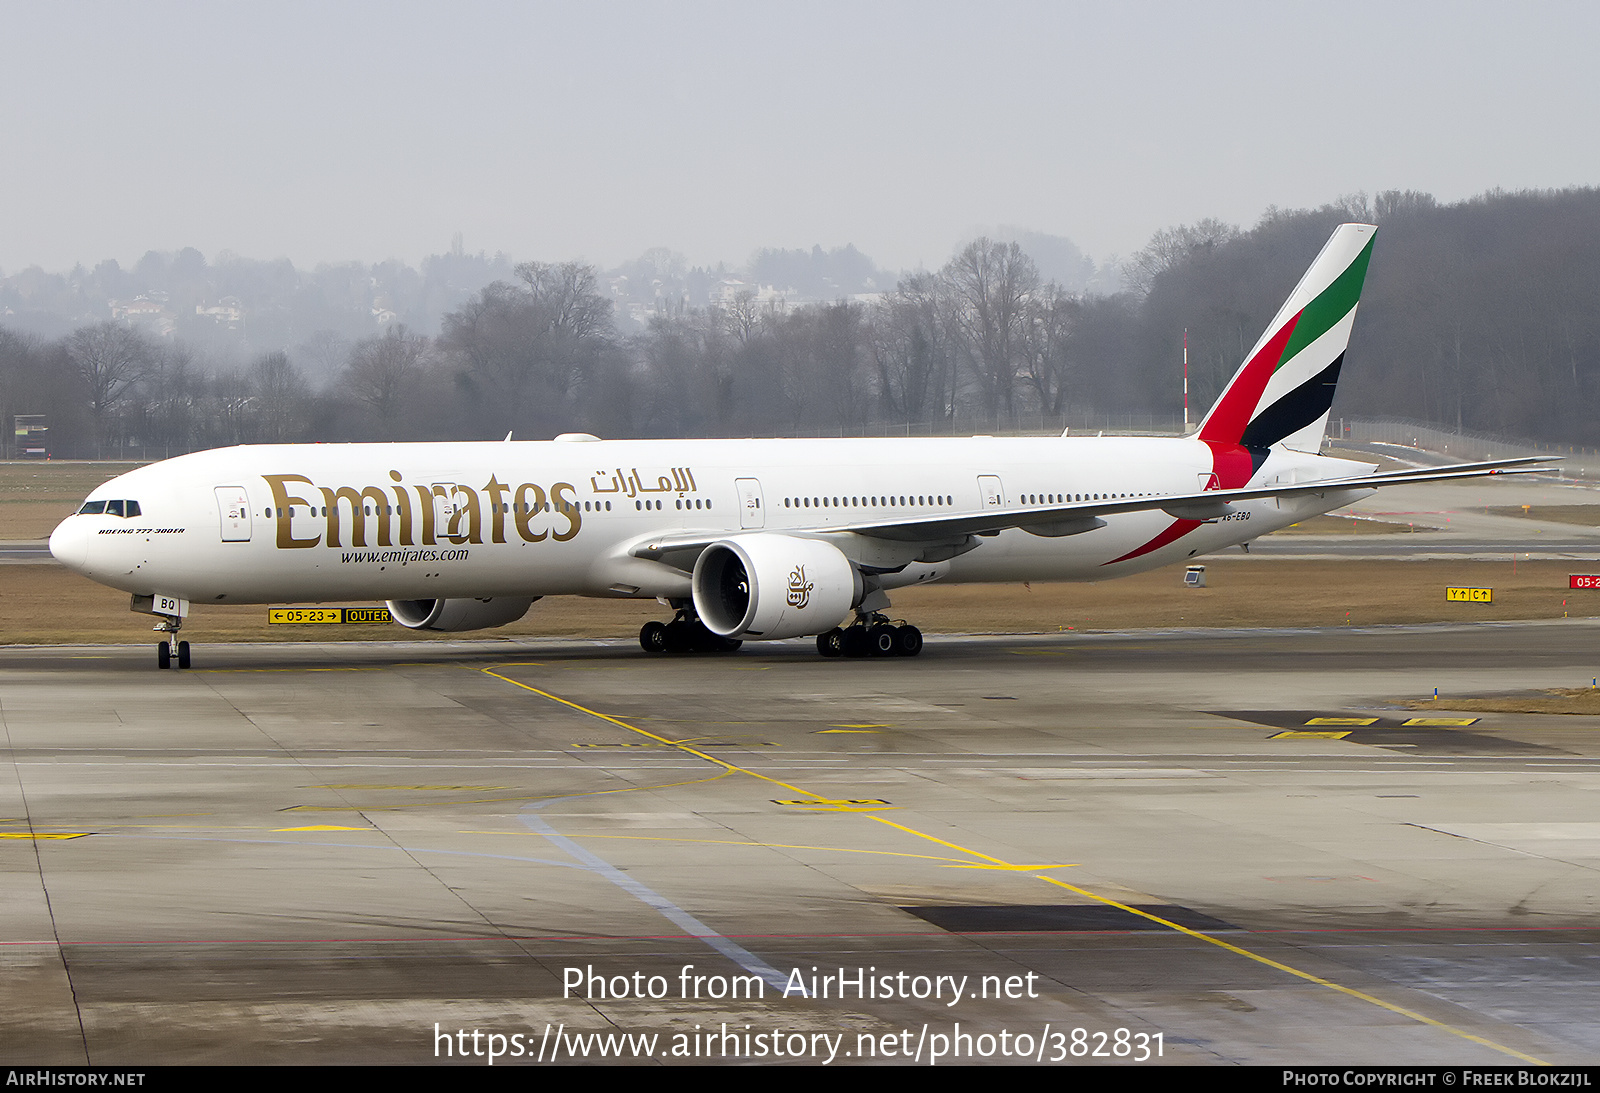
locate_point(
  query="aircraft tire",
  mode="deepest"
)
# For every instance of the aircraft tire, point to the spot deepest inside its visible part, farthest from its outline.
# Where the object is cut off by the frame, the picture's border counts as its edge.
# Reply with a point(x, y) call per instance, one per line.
point(907, 641)
point(183, 654)
point(653, 637)
point(831, 643)
point(881, 641)
point(163, 656)
point(855, 641)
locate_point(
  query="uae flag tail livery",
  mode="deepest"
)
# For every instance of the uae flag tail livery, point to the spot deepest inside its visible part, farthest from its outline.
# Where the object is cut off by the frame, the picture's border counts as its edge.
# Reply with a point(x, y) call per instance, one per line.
point(1283, 392)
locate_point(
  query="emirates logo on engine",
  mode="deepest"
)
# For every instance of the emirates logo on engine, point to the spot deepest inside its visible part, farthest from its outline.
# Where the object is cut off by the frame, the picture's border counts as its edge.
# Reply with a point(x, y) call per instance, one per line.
point(799, 589)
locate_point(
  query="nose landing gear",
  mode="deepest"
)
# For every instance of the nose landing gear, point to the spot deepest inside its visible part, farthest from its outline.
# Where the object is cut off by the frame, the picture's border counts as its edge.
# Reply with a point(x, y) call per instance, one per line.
point(170, 648)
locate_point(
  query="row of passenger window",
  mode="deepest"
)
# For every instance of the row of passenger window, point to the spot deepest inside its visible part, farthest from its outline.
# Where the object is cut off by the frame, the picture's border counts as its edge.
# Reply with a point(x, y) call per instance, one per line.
point(864, 502)
point(110, 508)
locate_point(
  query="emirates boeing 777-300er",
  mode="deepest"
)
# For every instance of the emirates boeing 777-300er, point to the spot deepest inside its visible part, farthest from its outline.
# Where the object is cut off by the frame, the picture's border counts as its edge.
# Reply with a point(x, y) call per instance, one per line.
point(742, 539)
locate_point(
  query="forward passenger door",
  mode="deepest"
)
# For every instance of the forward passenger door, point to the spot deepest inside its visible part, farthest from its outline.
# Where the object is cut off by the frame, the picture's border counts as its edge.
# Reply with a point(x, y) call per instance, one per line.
point(233, 505)
point(751, 514)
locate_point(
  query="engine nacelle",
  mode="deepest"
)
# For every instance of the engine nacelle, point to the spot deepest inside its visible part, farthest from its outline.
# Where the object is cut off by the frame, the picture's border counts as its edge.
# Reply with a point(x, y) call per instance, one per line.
point(454, 616)
point(768, 586)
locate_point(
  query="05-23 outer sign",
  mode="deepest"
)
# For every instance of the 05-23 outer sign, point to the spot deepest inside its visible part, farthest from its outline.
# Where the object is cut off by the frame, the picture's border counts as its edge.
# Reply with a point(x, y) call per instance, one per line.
point(328, 615)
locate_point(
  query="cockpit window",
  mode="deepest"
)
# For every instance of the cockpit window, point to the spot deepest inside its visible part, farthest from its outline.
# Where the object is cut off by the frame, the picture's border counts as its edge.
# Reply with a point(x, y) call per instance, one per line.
point(122, 508)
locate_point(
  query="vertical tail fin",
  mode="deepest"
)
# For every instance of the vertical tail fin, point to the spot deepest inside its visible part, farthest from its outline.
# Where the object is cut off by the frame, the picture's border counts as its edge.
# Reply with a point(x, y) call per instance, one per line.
point(1284, 390)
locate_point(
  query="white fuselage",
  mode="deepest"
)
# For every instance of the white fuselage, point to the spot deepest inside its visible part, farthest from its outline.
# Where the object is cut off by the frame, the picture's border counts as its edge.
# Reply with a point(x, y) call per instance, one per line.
point(316, 523)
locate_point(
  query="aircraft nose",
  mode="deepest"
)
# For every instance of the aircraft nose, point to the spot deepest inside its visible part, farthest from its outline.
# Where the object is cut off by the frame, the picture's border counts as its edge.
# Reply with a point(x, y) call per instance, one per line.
point(70, 543)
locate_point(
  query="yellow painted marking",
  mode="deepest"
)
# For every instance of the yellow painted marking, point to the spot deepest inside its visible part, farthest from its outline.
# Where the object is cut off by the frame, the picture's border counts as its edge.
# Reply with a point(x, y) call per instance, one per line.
point(304, 615)
point(1343, 721)
point(642, 732)
point(941, 842)
point(674, 744)
point(1013, 868)
point(1317, 979)
point(322, 827)
point(1240, 951)
point(1443, 721)
point(42, 834)
point(846, 732)
point(865, 805)
point(861, 725)
point(1292, 734)
point(819, 799)
point(328, 615)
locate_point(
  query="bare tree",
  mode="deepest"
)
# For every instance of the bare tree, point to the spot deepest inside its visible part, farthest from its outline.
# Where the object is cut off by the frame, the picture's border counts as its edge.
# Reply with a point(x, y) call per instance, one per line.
point(1047, 338)
point(280, 397)
point(740, 316)
point(569, 295)
point(382, 370)
point(169, 391)
point(527, 355)
point(1170, 246)
point(991, 283)
point(110, 358)
point(912, 334)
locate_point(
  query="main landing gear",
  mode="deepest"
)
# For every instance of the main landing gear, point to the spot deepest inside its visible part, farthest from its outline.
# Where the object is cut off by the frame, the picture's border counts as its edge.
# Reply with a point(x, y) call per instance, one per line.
point(684, 634)
point(170, 648)
point(871, 636)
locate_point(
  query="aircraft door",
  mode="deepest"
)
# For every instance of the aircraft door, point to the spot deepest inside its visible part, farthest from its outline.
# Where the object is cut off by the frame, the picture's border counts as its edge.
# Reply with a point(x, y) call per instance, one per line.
point(751, 513)
point(444, 508)
point(233, 505)
point(991, 492)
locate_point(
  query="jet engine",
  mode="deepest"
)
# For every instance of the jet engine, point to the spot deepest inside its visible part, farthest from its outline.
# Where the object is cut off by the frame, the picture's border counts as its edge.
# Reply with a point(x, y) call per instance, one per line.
point(453, 616)
point(773, 586)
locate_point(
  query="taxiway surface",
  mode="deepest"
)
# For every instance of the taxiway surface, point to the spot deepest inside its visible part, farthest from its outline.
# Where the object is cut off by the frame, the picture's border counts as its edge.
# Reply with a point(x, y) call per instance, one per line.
point(1226, 844)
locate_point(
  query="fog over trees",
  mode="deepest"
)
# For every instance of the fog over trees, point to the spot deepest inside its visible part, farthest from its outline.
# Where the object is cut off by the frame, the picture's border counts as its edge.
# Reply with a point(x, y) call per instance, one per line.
point(1479, 315)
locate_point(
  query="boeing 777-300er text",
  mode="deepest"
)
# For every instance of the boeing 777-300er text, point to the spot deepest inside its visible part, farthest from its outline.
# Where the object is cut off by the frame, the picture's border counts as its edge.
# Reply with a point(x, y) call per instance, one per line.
point(743, 539)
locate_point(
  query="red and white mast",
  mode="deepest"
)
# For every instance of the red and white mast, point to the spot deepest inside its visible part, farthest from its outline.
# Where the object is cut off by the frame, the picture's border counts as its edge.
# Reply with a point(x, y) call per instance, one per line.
point(1185, 379)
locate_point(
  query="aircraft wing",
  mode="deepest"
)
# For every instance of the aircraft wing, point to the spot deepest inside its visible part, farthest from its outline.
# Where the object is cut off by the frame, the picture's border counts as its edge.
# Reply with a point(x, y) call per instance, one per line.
point(1080, 516)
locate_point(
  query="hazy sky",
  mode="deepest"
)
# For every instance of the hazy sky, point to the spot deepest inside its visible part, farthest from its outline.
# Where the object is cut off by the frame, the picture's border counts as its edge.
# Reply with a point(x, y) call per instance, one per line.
point(334, 131)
